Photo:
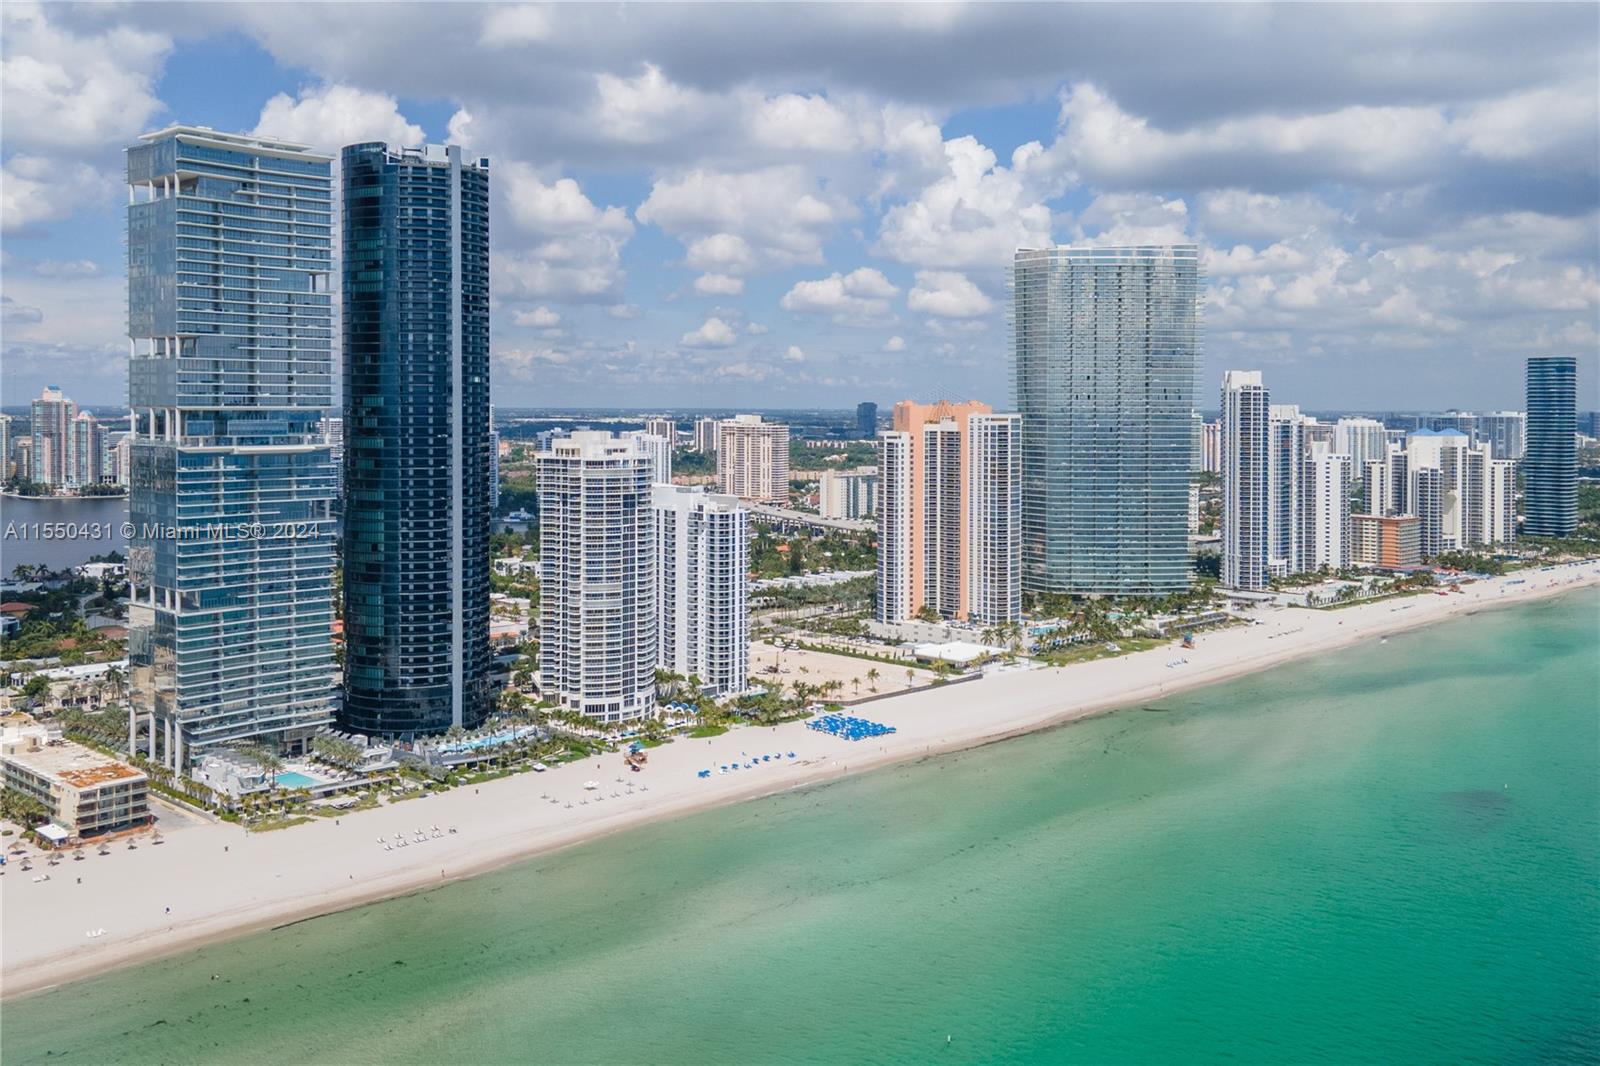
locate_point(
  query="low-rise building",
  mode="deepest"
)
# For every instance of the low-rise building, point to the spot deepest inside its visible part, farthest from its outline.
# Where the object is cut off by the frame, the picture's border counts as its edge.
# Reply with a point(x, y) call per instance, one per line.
point(1392, 542)
point(87, 793)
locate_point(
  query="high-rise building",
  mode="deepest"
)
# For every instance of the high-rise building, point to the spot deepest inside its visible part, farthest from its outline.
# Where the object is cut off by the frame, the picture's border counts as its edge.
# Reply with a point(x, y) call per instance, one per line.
point(1376, 491)
point(994, 523)
point(1362, 439)
point(1326, 509)
point(1211, 447)
point(866, 420)
point(5, 447)
point(230, 318)
point(1500, 502)
point(702, 587)
point(665, 428)
point(936, 511)
point(116, 462)
point(494, 465)
point(52, 416)
point(416, 427)
point(1463, 473)
point(897, 494)
point(753, 459)
point(1286, 461)
point(1425, 499)
point(1106, 349)
point(659, 449)
point(848, 493)
point(705, 435)
point(1246, 480)
point(333, 433)
point(85, 451)
point(597, 576)
point(1505, 432)
point(1550, 461)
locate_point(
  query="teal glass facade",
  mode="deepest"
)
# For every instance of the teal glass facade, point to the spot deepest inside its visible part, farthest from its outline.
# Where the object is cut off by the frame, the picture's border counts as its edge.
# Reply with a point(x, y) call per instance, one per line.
point(1106, 357)
point(231, 482)
point(1550, 456)
point(416, 440)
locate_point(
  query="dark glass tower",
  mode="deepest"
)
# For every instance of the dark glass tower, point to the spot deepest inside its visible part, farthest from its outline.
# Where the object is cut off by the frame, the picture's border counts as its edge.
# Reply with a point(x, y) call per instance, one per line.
point(1550, 459)
point(867, 420)
point(416, 429)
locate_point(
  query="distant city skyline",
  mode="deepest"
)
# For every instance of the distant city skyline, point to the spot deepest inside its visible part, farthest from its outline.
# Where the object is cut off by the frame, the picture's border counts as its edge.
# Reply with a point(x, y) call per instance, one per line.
point(825, 212)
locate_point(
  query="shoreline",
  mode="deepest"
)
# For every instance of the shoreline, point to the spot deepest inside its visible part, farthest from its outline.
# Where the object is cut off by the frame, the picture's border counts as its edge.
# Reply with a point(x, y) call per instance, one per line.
point(221, 883)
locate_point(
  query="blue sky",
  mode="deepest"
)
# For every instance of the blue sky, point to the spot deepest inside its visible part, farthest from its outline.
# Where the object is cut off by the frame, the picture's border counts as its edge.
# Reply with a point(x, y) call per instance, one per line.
point(784, 206)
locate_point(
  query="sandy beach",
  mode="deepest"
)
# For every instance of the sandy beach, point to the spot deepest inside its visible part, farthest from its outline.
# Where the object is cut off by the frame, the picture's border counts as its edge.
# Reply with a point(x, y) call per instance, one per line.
point(210, 881)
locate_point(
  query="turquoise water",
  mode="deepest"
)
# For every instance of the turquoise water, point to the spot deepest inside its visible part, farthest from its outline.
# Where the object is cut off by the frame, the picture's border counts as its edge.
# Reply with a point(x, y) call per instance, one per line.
point(290, 779)
point(1387, 854)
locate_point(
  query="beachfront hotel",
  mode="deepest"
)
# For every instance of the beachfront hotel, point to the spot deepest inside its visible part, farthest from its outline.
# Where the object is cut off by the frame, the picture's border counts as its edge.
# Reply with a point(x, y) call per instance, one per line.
point(597, 576)
point(753, 459)
point(1390, 542)
point(1246, 484)
point(230, 334)
point(1550, 459)
point(416, 440)
point(1105, 360)
point(934, 476)
point(87, 794)
point(702, 544)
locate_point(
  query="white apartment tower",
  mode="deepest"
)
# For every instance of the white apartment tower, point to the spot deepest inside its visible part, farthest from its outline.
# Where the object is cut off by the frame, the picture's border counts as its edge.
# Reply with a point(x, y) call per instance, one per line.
point(1326, 509)
point(597, 566)
point(1246, 481)
point(994, 523)
point(665, 428)
point(1500, 502)
point(1362, 439)
point(1286, 443)
point(702, 586)
point(753, 459)
point(659, 449)
point(705, 435)
point(895, 493)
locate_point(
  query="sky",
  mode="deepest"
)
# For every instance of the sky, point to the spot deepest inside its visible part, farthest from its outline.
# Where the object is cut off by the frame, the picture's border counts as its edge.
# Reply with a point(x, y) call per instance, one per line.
point(809, 205)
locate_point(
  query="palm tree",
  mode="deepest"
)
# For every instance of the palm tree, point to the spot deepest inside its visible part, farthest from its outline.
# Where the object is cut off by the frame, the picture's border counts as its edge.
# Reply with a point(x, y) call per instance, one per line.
point(872, 679)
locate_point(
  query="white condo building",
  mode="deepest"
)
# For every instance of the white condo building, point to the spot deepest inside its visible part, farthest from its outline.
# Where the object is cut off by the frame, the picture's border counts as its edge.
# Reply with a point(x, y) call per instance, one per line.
point(665, 428)
point(705, 435)
point(895, 493)
point(1326, 509)
point(1246, 481)
point(659, 449)
point(1286, 443)
point(702, 586)
point(848, 493)
point(1453, 515)
point(753, 459)
point(1500, 502)
point(1362, 439)
point(994, 524)
point(597, 568)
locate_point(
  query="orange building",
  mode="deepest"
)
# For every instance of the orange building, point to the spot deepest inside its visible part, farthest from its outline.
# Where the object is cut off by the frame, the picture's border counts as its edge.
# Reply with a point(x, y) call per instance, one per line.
point(930, 488)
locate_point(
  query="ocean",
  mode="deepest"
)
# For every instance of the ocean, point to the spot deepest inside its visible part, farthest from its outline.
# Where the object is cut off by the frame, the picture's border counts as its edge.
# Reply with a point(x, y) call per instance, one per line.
point(1389, 853)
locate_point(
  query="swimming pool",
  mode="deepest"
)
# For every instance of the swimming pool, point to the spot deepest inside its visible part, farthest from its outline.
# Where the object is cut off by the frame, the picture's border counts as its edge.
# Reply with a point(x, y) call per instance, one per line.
point(290, 779)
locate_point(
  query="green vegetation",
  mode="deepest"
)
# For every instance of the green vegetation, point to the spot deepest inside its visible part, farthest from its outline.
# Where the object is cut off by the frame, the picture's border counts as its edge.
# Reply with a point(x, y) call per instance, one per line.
point(774, 554)
point(1081, 653)
point(689, 461)
point(853, 454)
point(700, 732)
point(1471, 561)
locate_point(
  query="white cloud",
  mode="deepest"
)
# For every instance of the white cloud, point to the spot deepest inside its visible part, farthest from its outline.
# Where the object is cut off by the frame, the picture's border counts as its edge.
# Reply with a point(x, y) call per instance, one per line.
point(895, 344)
point(947, 293)
point(771, 217)
point(977, 213)
point(1537, 124)
point(559, 208)
point(67, 268)
point(755, 329)
point(540, 317)
point(36, 189)
point(714, 333)
point(75, 94)
point(718, 285)
point(646, 109)
point(795, 354)
point(807, 123)
point(1125, 218)
point(331, 116)
point(515, 24)
point(858, 298)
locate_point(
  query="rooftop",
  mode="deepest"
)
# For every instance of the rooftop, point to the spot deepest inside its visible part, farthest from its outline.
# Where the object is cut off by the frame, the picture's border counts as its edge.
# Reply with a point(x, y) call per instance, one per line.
point(72, 764)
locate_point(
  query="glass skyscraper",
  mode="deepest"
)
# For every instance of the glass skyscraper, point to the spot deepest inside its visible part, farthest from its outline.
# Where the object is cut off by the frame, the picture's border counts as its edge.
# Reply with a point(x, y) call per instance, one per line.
point(231, 488)
point(416, 439)
point(1106, 350)
point(1550, 455)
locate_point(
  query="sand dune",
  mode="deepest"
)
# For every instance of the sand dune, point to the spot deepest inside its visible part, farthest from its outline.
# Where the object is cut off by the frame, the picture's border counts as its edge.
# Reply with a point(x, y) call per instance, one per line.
point(219, 881)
